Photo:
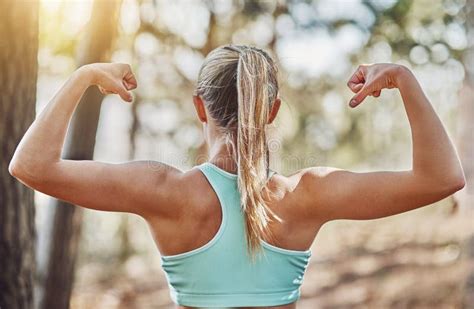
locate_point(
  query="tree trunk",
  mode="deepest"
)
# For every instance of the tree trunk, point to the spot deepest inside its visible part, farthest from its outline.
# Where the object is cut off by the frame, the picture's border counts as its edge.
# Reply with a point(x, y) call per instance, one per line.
point(80, 141)
point(18, 73)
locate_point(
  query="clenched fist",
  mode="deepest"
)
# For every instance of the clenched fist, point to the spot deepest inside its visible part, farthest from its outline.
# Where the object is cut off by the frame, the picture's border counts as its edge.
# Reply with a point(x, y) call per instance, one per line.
point(372, 78)
point(111, 78)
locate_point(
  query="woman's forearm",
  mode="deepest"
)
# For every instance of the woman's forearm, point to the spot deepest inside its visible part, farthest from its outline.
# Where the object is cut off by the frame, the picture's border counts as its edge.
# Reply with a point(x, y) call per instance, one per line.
point(42, 144)
point(434, 156)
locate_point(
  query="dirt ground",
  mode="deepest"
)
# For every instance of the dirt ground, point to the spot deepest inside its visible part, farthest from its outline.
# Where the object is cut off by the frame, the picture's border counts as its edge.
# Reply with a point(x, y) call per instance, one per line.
point(417, 259)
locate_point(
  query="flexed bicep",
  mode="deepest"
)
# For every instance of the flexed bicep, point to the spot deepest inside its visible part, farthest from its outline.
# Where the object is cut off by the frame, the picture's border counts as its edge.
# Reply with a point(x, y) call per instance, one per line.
point(140, 187)
point(343, 194)
point(435, 173)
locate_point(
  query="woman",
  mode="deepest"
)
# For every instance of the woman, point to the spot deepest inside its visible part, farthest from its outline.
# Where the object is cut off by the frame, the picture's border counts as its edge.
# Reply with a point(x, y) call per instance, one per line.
point(212, 223)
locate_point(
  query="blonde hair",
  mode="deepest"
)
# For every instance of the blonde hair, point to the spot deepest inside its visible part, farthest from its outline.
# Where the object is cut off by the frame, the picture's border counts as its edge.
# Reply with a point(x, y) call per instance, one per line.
point(239, 85)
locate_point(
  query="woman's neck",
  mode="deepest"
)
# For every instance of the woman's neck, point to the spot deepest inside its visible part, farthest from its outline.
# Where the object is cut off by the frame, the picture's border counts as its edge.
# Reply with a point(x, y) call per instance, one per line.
point(221, 155)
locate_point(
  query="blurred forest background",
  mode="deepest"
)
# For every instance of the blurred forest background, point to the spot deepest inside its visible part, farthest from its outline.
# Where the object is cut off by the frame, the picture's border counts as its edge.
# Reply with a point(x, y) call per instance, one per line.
point(90, 259)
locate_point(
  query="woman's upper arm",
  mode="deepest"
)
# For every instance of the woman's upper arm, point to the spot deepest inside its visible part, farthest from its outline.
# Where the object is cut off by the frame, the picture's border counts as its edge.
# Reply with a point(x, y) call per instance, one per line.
point(331, 193)
point(140, 187)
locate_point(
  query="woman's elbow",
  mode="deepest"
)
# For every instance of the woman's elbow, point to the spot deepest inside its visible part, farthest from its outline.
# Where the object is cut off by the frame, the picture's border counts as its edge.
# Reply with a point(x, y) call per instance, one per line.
point(14, 168)
point(459, 183)
point(441, 186)
point(454, 183)
point(28, 175)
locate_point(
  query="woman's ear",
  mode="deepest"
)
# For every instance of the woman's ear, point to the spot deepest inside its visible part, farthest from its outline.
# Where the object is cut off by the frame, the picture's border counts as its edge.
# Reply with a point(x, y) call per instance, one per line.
point(274, 110)
point(200, 109)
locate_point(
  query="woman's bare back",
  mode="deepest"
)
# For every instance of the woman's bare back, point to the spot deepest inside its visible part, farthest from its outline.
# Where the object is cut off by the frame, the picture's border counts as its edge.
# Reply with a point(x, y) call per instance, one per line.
point(202, 217)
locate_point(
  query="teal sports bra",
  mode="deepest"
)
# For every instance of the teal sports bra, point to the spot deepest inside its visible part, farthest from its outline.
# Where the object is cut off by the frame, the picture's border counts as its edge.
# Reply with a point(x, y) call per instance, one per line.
point(220, 273)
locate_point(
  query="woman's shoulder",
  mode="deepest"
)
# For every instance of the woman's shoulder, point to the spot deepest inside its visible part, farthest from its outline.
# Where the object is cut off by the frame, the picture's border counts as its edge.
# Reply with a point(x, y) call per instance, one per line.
point(306, 190)
point(172, 187)
point(307, 177)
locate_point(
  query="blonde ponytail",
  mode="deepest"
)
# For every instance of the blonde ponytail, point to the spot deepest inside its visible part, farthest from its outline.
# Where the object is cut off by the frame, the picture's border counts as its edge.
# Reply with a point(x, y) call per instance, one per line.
point(253, 96)
point(239, 84)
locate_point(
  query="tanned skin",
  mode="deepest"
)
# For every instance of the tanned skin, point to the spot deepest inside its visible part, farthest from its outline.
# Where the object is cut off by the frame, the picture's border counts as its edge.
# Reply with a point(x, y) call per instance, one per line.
point(176, 204)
